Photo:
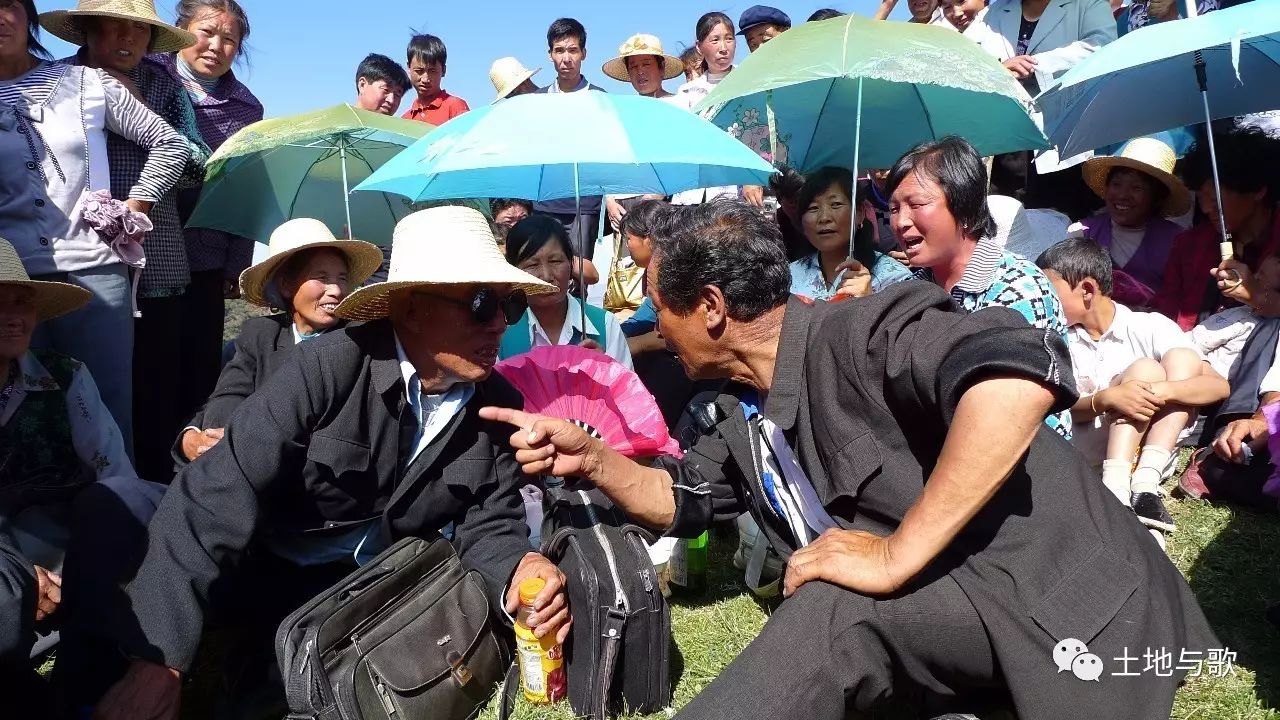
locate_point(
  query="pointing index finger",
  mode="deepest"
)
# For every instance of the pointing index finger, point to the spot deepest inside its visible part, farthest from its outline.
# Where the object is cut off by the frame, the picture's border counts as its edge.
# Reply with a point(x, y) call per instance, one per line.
point(511, 416)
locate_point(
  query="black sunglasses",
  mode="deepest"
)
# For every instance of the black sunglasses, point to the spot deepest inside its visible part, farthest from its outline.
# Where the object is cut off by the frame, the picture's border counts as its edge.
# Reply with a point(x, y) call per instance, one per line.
point(485, 305)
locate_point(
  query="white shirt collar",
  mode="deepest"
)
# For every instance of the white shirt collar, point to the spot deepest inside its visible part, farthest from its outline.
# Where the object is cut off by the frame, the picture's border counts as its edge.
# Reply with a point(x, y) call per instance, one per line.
point(1116, 331)
point(572, 321)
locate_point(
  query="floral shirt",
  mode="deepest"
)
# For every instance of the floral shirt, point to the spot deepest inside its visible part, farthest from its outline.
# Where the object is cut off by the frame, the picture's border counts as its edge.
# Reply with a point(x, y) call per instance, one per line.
point(95, 438)
point(996, 277)
point(807, 280)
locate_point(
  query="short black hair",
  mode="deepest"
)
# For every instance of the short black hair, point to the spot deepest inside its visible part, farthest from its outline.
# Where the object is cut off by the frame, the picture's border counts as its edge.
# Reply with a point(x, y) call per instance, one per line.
point(375, 67)
point(864, 246)
point(786, 182)
point(1247, 162)
point(564, 28)
point(500, 232)
point(427, 49)
point(957, 168)
point(644, 218)
point(1075, 259)
point(726, 243)
point(690, 55)
point(497, 205)
point(825, 14)
point(527, 237)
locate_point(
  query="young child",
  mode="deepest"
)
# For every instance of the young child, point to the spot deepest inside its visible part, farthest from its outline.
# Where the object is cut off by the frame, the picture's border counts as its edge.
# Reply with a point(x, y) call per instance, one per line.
point(1139, 377)
point(427, 59)
point(1222, 337)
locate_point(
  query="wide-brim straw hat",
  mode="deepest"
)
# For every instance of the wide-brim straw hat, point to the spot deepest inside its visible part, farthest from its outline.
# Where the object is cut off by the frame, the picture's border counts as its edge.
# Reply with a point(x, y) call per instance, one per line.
point(507, 74)
point(642, 44)
point(437, 247)
point(52, 299)
point(66, 25)
point(1149, 156)
point(294, 236)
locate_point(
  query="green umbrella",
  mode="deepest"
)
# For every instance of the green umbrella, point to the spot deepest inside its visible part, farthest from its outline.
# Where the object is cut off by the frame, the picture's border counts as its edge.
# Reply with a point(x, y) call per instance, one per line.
point(304, 166)
point(852, 91)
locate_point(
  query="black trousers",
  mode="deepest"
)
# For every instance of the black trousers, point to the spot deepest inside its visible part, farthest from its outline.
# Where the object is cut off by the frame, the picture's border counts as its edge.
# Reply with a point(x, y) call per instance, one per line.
point(159, 385)
point(827, 649)
point(200, 338)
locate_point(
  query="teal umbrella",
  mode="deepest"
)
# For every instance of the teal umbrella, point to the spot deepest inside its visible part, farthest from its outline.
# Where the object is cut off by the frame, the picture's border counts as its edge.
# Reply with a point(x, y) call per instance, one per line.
point(852, 91)
point(304, 166)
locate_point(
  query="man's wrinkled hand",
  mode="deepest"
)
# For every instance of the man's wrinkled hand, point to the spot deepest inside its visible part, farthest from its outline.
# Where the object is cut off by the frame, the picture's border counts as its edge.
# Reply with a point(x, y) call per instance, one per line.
point(852, 559)
point(551, 606)
point(48, 592)
point(547, 446)
point(1229, 445)
point(198, 442)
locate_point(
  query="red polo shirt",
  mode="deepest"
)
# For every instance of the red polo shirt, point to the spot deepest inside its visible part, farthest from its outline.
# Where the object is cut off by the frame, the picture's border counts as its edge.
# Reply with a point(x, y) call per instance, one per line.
point(438, 111)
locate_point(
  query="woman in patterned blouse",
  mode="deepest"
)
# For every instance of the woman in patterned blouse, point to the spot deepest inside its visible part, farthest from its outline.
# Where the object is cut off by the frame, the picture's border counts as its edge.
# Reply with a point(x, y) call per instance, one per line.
point(938, 211)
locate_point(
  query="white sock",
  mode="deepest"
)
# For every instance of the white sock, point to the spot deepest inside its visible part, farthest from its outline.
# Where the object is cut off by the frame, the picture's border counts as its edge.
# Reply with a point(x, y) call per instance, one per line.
point(1151, 464)
point(1116, 476)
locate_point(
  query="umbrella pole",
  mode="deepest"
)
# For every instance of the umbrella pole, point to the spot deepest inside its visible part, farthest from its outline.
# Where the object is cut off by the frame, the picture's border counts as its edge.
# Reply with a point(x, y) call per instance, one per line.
point(346, 193)
point(582, 253)
point(857, 150)
point(1225, 246)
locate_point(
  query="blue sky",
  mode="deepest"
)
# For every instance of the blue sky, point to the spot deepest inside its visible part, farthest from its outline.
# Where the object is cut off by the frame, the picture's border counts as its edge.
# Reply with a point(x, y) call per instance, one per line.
point(303, 55)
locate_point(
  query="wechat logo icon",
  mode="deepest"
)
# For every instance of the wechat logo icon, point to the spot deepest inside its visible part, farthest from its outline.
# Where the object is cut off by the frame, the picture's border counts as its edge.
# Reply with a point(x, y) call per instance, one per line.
point(1074, 657)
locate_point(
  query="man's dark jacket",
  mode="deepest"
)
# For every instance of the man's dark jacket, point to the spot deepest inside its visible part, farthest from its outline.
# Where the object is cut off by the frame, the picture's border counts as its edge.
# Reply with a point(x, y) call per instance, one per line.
point(865, 391)
point(318, 449)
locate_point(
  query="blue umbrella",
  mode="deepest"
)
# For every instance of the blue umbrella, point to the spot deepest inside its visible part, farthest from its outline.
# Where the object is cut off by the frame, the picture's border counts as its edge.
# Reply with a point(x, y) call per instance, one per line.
point(554, 146)
point(1176, 73)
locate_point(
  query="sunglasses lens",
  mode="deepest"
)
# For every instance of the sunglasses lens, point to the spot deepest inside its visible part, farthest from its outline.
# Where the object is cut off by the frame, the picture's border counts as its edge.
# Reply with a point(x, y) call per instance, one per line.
point(514, 306)
point(484, 305)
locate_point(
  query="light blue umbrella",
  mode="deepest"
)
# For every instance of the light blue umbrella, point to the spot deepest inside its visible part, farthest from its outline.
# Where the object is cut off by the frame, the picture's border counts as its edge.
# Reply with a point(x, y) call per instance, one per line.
point(555, 146)
point(1168, 75)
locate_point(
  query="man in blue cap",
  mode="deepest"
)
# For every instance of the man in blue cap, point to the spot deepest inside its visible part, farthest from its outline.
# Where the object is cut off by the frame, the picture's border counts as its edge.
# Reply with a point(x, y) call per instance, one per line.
point(760, 23)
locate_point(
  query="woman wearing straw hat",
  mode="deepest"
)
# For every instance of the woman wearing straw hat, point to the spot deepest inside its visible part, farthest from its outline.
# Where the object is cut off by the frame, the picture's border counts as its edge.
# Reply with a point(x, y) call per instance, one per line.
point(363, 437)
point(68, 492)
point(1141, 193)
point(308, 273)
point(642, 62)
point(511, 78)
point(115, 35)
point(54, 119)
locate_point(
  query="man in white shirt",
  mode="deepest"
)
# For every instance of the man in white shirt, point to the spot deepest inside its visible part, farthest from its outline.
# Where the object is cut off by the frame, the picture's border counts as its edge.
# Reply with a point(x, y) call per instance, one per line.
point(1139, 377)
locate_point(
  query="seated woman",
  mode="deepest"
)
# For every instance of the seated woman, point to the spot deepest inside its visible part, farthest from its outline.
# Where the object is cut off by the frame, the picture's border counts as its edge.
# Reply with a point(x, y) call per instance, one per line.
point(76, 510)
point(829, 214)
point(1247, 161)
point(307, 274)
point(938, 210)
point(540, 246)
point(1140, 192)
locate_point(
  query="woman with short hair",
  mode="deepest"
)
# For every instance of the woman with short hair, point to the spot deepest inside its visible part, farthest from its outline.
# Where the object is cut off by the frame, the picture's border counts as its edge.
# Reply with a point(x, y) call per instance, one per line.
point(307, 274)
point(938, 211)
point(539, 245)
point(832, 218)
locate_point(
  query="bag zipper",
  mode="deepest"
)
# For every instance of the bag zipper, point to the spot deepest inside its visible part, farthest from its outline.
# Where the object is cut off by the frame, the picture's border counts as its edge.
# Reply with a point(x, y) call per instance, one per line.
point(619, 597)
point(388, 705)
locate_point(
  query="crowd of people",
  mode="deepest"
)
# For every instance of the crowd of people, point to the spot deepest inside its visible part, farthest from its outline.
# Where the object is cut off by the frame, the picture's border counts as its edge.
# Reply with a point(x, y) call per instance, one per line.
point(948, 395)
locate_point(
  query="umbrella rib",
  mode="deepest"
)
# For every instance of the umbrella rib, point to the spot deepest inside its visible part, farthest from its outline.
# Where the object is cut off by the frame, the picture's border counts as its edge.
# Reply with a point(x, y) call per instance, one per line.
point(928, 117)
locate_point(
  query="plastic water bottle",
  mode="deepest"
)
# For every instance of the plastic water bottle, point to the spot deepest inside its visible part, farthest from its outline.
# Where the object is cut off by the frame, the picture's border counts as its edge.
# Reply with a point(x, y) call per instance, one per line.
point(541, 659)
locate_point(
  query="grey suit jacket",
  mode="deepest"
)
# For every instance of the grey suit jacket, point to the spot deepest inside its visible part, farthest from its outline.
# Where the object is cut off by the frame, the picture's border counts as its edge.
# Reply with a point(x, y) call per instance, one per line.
point(865, 391)
point(317, 450)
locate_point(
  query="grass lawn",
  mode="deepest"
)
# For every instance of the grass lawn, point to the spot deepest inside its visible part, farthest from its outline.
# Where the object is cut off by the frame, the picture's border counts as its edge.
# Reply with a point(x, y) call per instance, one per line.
point(1229, 556)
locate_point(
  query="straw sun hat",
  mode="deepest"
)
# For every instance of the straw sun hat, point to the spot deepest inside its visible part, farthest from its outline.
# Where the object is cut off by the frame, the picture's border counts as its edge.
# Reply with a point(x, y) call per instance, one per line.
point(642, 44)
point(1149, 156)
point(52, 298)
point(65, 24)
point(446, 245)
point(299, 234)
point(507, 74)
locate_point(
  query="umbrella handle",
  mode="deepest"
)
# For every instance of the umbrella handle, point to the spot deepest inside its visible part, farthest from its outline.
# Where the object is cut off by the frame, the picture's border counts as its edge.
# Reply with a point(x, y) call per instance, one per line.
point(1225, 247)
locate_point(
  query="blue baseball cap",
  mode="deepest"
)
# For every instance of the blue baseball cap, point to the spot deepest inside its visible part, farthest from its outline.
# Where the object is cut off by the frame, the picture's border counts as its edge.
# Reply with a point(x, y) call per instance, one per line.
point(762, 15)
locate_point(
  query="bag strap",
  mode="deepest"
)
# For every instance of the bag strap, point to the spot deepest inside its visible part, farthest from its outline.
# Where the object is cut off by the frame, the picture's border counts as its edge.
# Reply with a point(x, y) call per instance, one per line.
point(615, 622)
point(507, 693)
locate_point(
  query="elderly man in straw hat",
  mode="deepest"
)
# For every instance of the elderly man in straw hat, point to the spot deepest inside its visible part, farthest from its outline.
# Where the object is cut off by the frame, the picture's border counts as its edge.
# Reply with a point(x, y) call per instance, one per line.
point(68, 492)
point(364, 436)
point(115, 35)
point(511, 78)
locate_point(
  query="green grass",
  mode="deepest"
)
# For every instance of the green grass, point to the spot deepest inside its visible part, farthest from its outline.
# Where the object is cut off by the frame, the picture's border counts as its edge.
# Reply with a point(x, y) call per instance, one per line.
point(1230, 556)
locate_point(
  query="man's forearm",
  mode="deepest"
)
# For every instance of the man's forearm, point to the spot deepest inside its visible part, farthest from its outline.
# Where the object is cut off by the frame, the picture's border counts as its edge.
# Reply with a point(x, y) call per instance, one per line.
point(993, 426)
point(643, 493)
